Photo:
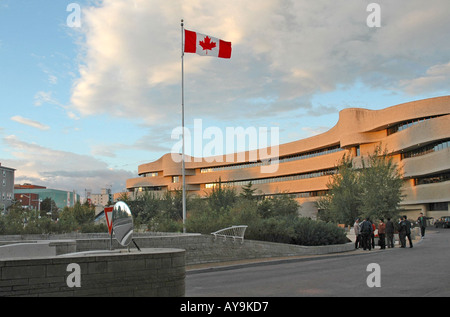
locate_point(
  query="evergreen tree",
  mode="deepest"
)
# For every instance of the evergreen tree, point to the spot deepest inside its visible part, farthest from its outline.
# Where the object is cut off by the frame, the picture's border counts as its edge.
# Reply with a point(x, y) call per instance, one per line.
point(48, 206)
point(248, 191)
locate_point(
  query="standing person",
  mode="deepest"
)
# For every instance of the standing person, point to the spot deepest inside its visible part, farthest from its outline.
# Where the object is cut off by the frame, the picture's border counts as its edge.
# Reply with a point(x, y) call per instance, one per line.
point(402, 232)
point(422, 223)
point(372, 235)
point(390, 233)
point(408, 231)
point(382, 234)
point(366, 231)
point(356, 228)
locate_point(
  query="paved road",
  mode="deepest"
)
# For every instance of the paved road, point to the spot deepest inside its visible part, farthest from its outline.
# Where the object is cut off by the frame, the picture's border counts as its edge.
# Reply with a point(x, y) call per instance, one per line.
point(419, 271)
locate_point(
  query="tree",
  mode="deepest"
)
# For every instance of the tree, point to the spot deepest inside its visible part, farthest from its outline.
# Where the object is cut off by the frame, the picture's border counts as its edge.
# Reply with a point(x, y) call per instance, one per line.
point(381, 184)
point(83, 214)
point(67, 221)
point(248, 191)
point(172, 204)
point(373, 191)
point(221, 197)
point(48, 205)
point(278, 206)
point(342, 202)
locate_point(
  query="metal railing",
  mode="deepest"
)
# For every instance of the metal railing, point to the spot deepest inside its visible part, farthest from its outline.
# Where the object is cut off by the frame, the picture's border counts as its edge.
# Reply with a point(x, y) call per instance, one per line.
point(235, 232)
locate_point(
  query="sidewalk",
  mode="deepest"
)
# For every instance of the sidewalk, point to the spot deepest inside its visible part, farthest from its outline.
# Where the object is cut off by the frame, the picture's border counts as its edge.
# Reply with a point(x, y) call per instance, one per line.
point(229, 265)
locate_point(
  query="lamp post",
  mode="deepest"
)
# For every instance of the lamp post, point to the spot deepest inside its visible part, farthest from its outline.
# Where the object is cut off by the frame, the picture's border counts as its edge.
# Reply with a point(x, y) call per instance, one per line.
point(25, 220)
point(29, 200)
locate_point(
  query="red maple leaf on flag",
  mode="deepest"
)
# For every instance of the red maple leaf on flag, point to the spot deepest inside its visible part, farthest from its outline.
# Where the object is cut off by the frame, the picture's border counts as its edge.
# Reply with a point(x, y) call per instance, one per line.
point(206, 44)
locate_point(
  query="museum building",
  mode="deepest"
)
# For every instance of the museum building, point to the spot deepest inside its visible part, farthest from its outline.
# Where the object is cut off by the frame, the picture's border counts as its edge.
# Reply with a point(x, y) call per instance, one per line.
point(416, 134)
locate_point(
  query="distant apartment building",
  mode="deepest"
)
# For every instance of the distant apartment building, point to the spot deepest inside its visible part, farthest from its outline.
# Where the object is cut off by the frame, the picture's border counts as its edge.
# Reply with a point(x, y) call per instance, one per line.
point(6, 187)
point(30, 196)
point(103, 199)
point(416, 134)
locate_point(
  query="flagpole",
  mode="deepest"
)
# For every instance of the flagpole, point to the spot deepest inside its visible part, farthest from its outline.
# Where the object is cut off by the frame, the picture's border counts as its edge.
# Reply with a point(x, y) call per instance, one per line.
point(182, 126)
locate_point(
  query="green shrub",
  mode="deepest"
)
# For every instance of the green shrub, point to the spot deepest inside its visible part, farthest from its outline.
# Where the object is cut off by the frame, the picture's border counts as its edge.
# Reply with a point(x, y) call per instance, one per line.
point(312, 233)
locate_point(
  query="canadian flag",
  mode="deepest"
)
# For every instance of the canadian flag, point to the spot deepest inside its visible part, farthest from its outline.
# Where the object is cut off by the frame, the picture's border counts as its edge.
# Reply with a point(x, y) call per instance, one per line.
point(206, 45)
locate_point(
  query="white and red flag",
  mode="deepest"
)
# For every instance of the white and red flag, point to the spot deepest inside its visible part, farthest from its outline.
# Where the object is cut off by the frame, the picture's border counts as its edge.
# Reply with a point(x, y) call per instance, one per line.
point(206, 45)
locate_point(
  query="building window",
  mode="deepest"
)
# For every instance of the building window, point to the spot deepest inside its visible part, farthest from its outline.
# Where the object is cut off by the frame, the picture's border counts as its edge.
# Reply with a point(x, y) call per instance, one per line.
point(438, 206)
point(406, 124)
point(439, 178)
point(433, 147)
point(257, 181)
point(148, 189)
point(152, 174)
point(295, 157)
point(175, 179)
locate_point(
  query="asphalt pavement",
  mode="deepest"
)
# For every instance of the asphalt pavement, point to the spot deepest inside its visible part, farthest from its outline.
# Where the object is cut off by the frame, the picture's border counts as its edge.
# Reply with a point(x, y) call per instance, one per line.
point(418, 271)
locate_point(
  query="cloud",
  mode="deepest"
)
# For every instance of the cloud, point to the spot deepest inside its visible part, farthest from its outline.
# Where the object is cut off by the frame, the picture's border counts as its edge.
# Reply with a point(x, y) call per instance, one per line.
point(31, 123)
point(152, 140)
point(436, 78)
point(311, 131)
point(42, 97)
point(61, 169)
point(46, 97)
point(284, 52)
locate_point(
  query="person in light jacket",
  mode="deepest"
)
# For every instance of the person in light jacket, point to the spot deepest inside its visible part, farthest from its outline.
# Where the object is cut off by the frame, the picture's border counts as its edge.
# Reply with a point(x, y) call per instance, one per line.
point(357, 234)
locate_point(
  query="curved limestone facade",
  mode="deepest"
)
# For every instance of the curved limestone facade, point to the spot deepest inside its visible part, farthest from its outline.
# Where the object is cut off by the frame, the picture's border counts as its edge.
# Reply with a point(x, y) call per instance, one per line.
point(416, 134)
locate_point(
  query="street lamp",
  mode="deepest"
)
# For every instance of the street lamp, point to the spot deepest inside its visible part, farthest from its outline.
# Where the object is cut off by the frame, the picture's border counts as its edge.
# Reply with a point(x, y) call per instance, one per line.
point(29, 200)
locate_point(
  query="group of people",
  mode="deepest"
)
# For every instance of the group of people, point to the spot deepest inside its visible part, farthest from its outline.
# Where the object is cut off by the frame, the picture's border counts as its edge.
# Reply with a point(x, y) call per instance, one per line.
point(365, 232)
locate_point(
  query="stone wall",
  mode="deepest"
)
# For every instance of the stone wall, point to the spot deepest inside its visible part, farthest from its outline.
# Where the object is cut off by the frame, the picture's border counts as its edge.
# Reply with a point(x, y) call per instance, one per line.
point(151, 272)
point(199, 248)
point(205, 249)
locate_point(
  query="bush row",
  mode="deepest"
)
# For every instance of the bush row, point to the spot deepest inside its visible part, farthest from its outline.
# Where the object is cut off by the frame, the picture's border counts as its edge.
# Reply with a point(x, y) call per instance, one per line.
point(273, 219)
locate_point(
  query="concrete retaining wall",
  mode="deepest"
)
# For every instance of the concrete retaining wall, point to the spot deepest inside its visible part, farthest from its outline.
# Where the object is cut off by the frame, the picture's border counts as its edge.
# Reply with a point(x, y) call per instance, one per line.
point(199, 248)
point(37, 249)
point(205, 249)
point(152, 272)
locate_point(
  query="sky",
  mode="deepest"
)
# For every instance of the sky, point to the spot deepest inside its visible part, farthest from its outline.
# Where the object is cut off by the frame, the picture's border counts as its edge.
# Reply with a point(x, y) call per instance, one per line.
point(91, 89)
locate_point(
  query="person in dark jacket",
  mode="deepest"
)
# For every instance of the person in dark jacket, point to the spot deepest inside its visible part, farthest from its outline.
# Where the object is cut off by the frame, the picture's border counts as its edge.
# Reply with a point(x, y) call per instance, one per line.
point(382, 234)
point(422, 221)
point(390, 233)
point(402, 232)
point(366, 232)
point(408, 231)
